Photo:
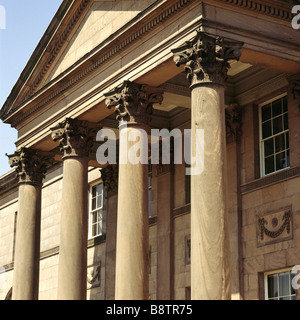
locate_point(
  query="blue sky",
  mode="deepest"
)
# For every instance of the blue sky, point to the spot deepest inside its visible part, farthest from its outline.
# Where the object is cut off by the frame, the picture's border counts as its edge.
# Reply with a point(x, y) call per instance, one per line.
point(25, 23)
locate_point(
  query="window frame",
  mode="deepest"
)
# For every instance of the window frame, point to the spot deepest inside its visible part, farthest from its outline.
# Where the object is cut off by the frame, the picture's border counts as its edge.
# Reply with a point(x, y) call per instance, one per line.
point(261, 140)
point(278, 271)
point(91, 211)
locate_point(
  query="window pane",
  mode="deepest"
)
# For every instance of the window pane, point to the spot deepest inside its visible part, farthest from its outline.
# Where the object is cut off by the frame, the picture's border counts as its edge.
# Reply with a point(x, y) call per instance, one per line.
point(100, 231)
point(269, 147)
point(276, 108)
point(284, 102)
point(287, 158)
point(94, 191)
point(286, 122)
point(266, 129)
point(284, 284)
point(94, 230)
point(292, 275)
point(277, 125)
point(280, 143)
point(266, 112)
point(94, 204)
point(99, 201)
point(287, 142)
point(272, 286)
point(94, 217)
point(269, 165)
point(100, 189)
point(281, 161)
point(99, 222)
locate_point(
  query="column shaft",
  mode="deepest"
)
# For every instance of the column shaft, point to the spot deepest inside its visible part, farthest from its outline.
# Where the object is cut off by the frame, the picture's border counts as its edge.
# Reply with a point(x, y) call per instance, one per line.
point(72, 273)
point(27, 250)
point(210, 267)
point(132, 259)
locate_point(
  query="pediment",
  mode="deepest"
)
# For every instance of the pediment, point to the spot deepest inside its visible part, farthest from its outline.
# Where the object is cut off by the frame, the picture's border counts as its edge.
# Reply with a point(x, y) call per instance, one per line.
point(101, 20)
point(77, 28)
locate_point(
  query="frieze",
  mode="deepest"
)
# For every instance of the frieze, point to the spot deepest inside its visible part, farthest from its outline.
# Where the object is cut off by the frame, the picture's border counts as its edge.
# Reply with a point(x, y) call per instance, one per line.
point(274, 227)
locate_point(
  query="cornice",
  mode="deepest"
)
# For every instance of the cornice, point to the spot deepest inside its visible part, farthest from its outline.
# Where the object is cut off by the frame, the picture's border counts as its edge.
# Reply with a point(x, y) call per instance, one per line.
point(152, 18)
point(270, 8)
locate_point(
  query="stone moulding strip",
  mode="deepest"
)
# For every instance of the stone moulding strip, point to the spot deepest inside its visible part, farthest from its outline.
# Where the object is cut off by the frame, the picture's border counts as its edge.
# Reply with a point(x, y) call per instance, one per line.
point(270, 179)
point(261, 7)
point(185, 209)
point(114, 48)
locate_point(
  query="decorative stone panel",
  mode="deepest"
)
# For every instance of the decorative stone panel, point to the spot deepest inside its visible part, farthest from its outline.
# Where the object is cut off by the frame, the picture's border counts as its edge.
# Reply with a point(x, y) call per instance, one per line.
point(274, 226)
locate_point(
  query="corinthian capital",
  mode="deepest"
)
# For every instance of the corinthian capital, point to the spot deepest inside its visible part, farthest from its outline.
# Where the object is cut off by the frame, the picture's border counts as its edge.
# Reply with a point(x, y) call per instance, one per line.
point(75, 137)
point(133, 102)
point(31, 165)
point(206, 58)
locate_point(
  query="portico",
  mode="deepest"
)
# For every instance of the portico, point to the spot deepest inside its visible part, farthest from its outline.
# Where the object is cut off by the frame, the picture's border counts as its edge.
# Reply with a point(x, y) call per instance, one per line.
point(164, 68)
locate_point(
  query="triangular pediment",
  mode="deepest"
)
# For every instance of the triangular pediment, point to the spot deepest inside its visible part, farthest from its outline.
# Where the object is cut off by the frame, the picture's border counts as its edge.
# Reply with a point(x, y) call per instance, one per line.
point(101, 20)
point(78, 27)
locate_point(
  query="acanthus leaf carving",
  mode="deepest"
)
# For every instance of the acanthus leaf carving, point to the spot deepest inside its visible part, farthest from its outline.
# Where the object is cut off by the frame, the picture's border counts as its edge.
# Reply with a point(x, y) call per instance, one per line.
point(31, 165)
point(133, 102)
point(76, 137)
point(206, 58)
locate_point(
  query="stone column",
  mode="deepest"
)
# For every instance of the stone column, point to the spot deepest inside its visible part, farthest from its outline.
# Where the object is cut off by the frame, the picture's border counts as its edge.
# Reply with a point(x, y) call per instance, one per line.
point(133, 105)
point(109, 177)
point(206, 64)
point(165, 232)
point(76, 139)
point(31, 166)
